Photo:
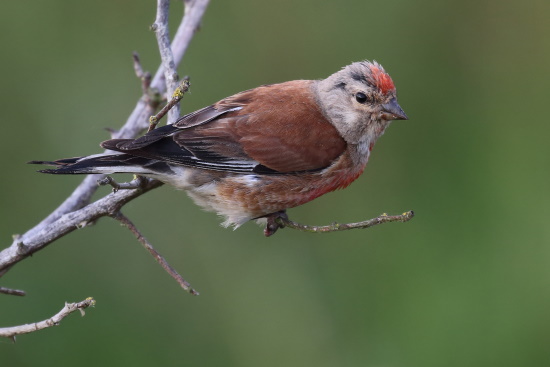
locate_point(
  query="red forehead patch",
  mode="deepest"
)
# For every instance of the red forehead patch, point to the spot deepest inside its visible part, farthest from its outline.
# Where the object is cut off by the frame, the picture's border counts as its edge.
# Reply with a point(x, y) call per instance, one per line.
point(381, 79)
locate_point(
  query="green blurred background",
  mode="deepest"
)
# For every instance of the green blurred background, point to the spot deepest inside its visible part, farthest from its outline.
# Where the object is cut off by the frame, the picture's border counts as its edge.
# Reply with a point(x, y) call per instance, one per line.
point(465, 283)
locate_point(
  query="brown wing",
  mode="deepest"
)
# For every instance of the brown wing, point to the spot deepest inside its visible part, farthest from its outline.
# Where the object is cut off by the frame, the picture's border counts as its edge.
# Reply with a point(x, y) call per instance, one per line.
point(279, 126)
point(270, 129)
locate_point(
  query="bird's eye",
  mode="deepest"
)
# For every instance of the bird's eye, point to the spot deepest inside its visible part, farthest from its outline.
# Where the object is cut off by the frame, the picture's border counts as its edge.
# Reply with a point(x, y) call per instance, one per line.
point(361, 97)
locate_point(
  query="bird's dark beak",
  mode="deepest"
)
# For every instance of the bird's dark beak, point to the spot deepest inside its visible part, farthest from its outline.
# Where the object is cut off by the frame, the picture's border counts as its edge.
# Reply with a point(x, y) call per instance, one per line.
point(393, 111)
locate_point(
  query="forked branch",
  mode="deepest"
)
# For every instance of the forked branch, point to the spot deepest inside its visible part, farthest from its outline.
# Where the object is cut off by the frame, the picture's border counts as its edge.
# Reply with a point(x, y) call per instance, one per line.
point(76, 211)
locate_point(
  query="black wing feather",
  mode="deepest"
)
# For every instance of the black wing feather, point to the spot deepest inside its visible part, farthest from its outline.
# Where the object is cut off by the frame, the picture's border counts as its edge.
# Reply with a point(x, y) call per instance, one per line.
point(197, 118)
point(159, 144)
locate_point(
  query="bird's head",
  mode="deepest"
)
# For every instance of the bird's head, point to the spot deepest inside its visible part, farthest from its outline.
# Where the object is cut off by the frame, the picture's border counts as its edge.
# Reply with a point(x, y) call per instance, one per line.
point(360, 100)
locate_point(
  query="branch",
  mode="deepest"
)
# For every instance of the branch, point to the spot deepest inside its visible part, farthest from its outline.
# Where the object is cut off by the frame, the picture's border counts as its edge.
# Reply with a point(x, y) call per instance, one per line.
point(138, 119)
point(73, 212)
point(177, 96)
point(11, 332)
point(106, 206)
point(280, 220)
point(160, 27)
point(160, 259)
point(144, 76)
point(13, 292)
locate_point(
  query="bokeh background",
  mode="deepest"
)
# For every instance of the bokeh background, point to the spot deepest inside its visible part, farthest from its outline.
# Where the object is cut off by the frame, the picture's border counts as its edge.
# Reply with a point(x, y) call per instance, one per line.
point(465, 283)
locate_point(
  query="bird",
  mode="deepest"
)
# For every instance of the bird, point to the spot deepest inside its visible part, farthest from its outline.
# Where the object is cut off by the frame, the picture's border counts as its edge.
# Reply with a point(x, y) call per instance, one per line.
point(257, 153)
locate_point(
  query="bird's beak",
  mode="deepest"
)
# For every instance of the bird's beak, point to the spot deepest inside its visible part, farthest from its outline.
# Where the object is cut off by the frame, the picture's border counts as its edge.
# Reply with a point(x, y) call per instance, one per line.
point(392, 111)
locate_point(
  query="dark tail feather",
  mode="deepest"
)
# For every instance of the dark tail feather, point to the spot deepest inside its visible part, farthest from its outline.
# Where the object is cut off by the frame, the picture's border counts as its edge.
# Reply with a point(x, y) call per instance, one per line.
point(64, 166)
point(58, 163)
point(107, 164)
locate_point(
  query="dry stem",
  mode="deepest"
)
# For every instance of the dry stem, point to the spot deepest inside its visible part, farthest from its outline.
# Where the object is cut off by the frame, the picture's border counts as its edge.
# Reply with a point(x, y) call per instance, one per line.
point(283, 221)
point(169, 66)
point(160, 259)
point(13, 292)
point(177, 96)
point(11, 332)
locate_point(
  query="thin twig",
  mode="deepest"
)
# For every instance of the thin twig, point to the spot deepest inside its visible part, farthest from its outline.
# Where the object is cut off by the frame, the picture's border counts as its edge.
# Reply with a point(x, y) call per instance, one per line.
point(11, 332)
point(160, 259)
point(160, 27)
point(144, 76)
point(13, 292)
point(384, 218)
point(177, 96)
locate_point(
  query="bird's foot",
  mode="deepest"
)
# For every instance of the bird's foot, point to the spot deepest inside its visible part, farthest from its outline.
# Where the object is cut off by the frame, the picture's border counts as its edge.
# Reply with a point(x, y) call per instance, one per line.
point(272, 225)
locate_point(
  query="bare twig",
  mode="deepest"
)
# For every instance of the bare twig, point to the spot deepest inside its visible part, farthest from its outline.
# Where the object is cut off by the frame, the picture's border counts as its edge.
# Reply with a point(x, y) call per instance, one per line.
point(69, 215)
point(11, 332)
point(163, 39)
point(160, 259)
point(173, 103)
point(144, 76)
point(283, 221)
point(13, 292)
point(106, 206)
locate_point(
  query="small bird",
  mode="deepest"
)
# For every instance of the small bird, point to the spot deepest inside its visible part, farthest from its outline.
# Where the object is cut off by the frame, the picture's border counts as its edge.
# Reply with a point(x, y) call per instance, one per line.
point(259, 152)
